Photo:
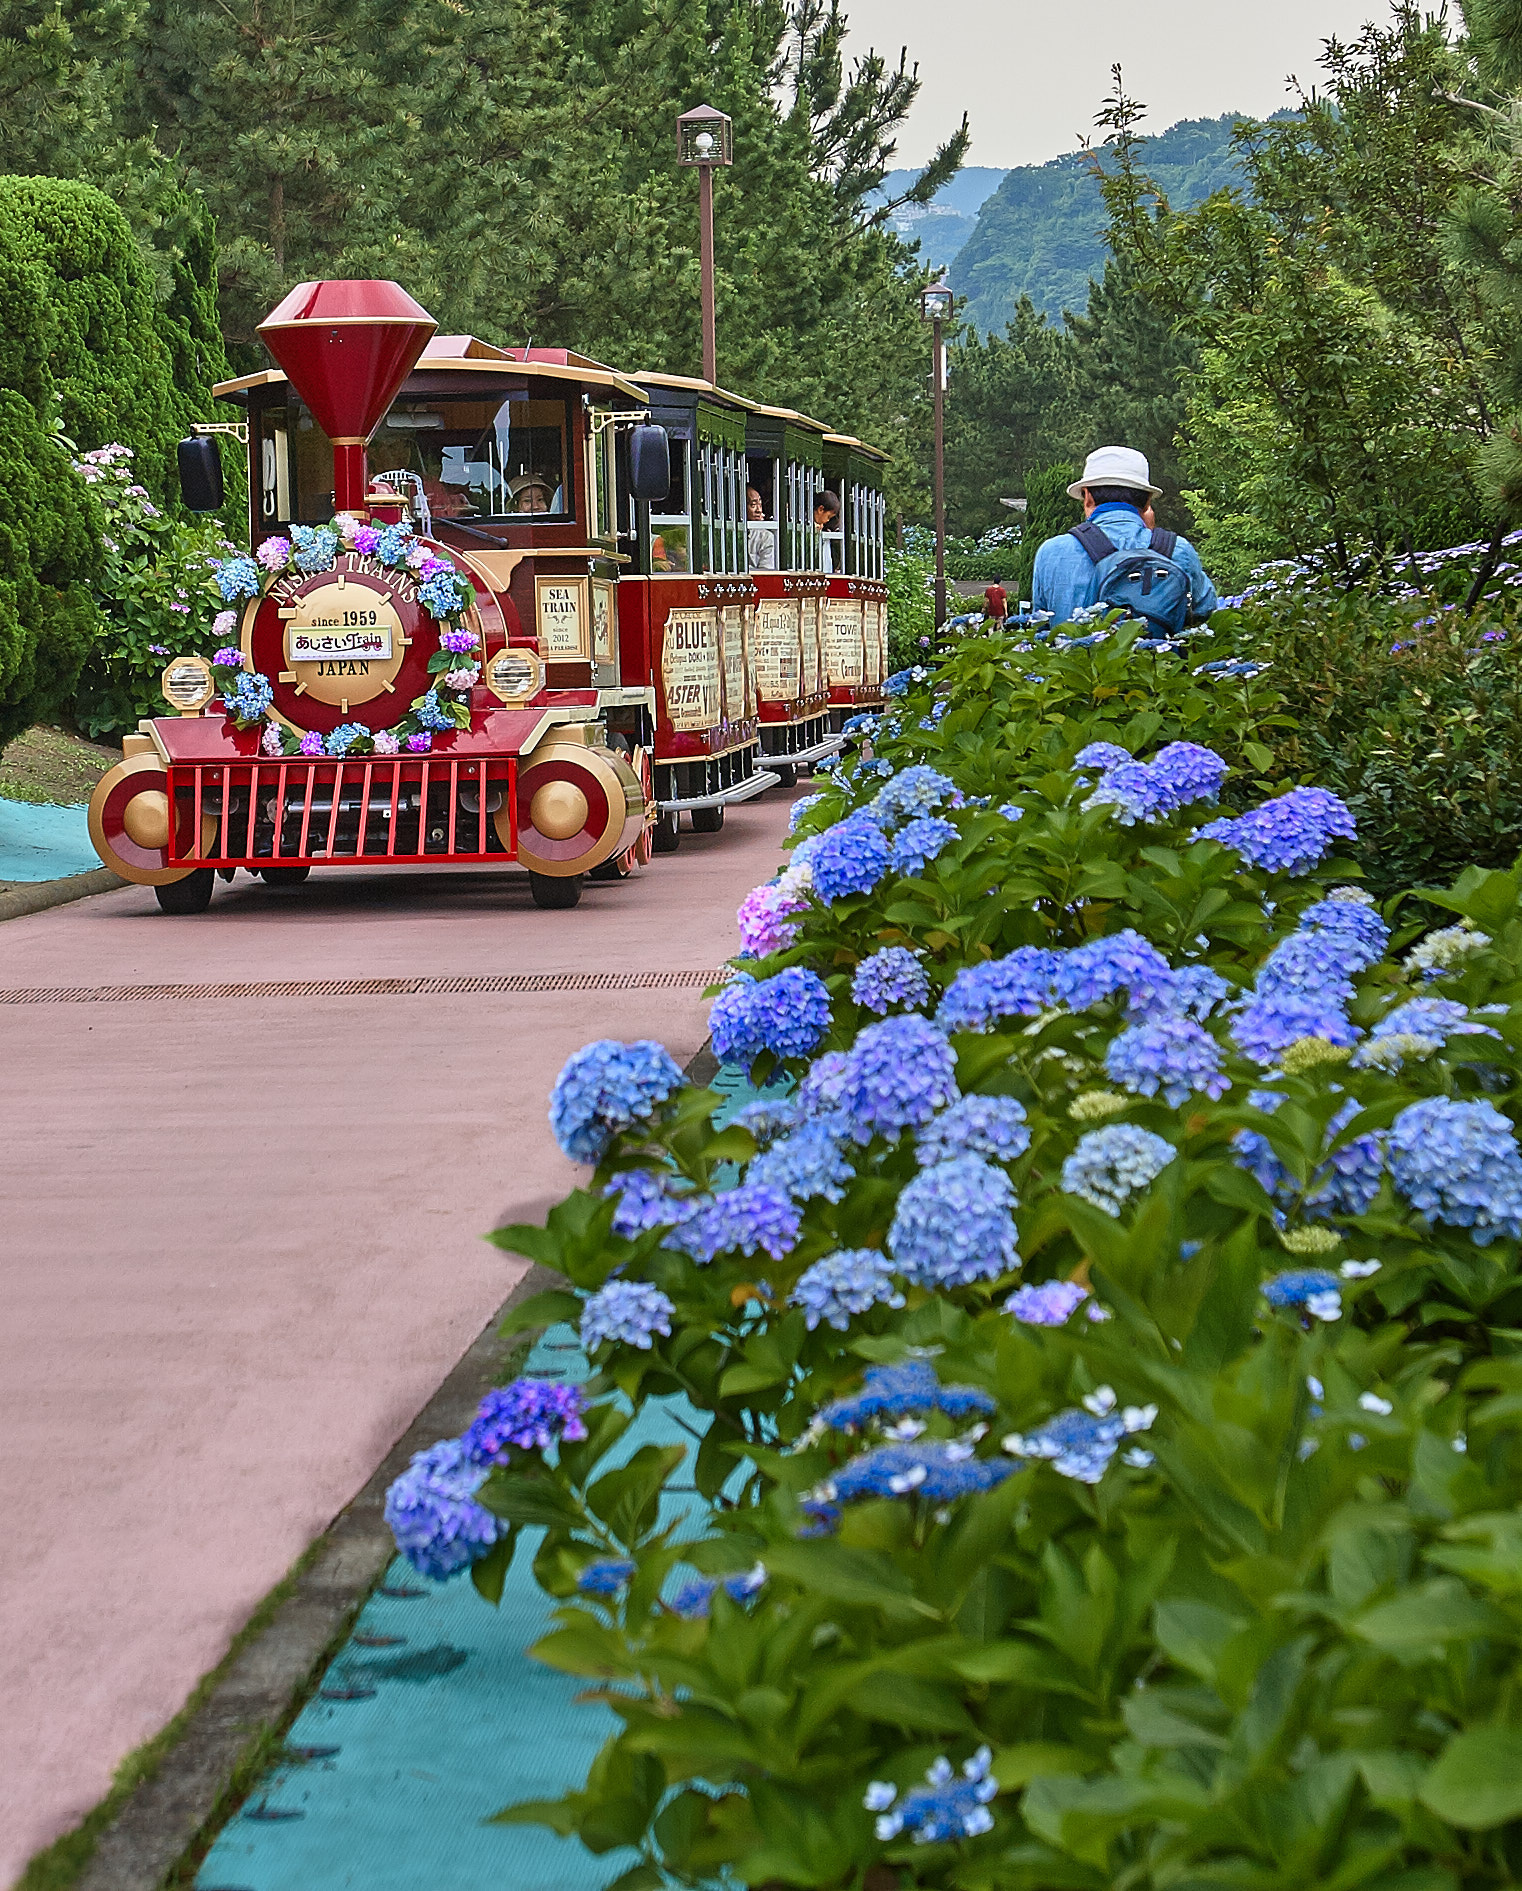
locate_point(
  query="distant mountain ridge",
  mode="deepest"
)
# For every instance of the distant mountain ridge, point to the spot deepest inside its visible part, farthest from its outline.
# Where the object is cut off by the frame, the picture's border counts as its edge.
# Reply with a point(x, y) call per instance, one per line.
point(1040, 232)
point(943, 226)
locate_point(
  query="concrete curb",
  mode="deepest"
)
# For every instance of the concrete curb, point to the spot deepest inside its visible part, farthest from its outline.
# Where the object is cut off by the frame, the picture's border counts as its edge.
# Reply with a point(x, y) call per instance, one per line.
point(18, 897)
point(256, 1696)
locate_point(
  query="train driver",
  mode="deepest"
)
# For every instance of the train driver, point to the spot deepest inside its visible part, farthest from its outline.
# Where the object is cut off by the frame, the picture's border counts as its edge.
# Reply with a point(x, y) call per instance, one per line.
point(530, 493)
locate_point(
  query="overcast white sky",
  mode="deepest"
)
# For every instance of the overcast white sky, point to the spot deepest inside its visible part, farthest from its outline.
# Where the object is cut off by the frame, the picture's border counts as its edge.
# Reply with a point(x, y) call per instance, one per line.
point(1031, 74)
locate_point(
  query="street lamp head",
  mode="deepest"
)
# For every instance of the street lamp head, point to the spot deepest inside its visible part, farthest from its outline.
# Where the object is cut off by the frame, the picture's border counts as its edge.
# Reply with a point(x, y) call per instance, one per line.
point(935, 302)
point(704, 136)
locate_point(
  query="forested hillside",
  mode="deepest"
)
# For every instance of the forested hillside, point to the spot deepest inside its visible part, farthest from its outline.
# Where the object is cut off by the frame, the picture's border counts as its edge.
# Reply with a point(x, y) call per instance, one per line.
point(943, 226)
point(1042, 232)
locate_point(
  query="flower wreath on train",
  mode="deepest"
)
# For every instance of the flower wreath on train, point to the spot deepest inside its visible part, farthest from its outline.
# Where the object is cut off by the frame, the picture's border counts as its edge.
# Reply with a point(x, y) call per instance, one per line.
point(247, 695)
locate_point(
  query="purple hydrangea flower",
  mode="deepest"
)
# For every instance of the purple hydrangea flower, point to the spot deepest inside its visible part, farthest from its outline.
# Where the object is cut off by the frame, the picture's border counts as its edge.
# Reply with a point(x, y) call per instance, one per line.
point(1171, 1054)
point(432, 1512)
point(1119, 962)
point(823, 1086)
point(274, 554)
point(1290, 834)
point(459, 642)
point(365, 540)
point(891, 977)
point(1108, 1166)
point(1101, 756)
point(946, 1808)
point(1193, 991)
point(808, 1163)
point(1050, 1304)
point(419, 743)
point(850, 857)
point(786, 1014)
point(900, 1391)
point(629, 1311)
point(645, 1200)
point(981, 996)
point(915, 846)
point(995, 1127)
point(954, 1224)
point(311, 742)
point(694, 1599)
point(1458, 1162)
point(607, 1087)
point(754, 1215)
point(230, 657)
point(764, 920)
point(532, 1414)
point(895, 1077)
point(605, 1577)
point(851, 1281)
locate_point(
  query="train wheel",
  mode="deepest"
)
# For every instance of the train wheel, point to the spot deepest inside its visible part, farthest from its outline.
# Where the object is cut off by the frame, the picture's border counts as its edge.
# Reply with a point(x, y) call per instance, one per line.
point(666, 835)
point(555, 893)
point(615, 869)
point(708, 820)
point(639, 854)
point(190, 895)
point(786, 773)
point(284, 876)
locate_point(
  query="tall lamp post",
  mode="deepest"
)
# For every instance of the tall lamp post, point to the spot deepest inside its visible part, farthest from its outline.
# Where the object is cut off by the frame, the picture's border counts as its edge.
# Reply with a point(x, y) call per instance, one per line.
point(935, 306)
point(705, 138)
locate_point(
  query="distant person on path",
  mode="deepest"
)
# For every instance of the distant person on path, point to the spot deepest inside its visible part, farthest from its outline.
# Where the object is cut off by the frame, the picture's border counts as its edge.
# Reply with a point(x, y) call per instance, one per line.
point(1115, 557)
point(996, 602)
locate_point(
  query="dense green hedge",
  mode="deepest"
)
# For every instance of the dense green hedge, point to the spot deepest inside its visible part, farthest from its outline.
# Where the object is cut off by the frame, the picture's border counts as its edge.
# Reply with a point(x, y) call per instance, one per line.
point(97, 344)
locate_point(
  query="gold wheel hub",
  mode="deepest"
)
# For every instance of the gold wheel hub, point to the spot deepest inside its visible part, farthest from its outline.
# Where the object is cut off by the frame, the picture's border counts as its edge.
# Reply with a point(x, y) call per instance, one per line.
point(559, 810)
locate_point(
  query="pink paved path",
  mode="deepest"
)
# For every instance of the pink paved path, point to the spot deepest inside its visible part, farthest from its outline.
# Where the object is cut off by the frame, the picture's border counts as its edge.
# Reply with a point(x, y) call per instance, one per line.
point(241, 1242)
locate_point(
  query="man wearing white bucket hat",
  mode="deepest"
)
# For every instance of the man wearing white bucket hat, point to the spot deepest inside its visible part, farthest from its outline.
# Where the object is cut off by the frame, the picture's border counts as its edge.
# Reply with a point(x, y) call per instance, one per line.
point(1116, 558)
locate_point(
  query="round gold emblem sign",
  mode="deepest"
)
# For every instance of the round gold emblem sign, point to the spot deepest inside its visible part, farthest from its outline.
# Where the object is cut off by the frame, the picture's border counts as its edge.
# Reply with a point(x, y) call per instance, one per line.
point(513, 675)
point(344, 641)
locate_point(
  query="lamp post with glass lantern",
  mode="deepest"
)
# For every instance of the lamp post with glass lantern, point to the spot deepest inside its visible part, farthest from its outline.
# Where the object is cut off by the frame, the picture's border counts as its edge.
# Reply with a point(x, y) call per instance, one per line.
point(935, 307)
point(705, 138)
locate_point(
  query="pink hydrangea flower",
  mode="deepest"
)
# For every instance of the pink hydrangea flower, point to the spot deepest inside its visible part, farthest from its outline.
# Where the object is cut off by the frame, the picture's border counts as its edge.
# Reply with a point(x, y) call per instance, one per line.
point(274, 554)
point(270, 742)
point(311, 743)
point(764, 926)
point(417, 557)
point(224, 625)
point(460, 679)
point(386, 743)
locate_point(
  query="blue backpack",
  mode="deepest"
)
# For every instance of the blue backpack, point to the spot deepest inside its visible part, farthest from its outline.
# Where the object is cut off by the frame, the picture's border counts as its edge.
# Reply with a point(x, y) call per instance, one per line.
point(1146, 583)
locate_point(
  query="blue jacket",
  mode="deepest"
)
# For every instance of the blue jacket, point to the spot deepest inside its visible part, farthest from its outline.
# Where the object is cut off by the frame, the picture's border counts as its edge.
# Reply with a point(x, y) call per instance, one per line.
point(1065, 577)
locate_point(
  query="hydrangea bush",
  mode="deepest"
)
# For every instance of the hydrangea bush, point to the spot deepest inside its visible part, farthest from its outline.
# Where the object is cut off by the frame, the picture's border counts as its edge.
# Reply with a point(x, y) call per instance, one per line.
point(1112, 1440)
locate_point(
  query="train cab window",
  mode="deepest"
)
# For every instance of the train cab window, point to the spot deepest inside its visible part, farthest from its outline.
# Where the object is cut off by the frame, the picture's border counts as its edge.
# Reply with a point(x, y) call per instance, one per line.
point(671, 518)
point(482, 459)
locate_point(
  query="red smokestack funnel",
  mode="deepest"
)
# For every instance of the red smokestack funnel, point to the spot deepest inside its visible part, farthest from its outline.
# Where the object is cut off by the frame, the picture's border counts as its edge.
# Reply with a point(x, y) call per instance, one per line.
point(347, 348)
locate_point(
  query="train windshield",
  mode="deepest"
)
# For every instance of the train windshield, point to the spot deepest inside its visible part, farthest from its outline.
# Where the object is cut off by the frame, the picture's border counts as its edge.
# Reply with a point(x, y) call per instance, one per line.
point(479, 459)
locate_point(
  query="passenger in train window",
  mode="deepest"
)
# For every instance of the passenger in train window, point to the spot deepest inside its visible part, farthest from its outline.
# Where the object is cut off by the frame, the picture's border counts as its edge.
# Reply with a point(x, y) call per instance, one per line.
point(760, 535)
point(530, 493)
point(827, 520)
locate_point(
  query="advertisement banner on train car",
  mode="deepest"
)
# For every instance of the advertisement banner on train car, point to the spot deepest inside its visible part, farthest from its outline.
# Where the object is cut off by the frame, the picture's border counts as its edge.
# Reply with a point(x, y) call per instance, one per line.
point(691, 670)
point(876, 612)
point(813, 666)
point(737, 704)
point(844, 658)
point(778, 651)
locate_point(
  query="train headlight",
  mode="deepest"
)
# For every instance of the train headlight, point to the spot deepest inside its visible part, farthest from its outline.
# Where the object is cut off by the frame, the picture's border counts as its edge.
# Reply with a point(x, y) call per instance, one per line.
point(187, 686)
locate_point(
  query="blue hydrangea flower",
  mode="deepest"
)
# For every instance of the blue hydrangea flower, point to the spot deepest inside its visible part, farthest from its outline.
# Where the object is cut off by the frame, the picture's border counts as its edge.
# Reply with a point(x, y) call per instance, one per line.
point(915, 846)
point(531, 1414)
point(1290, 834)
point(432, 1512)
point(343, 738)
point(954, 1224)
point(605, 1577)
point(995, 1127)
point(1311, 1288)
point(1188, 772)
point(891, 977)
point(1458, 1162)
point(895, 1077)
point(431, 713)
point(646, 1200)
point(444, 595)
point(1193, 991)
point(1268, 1025)
point(1418, 1027)
point(629, 1311)
point(250, 698)
point(694, 1599)
point(394, 543)
point(1050, 1304)
point(314, 546)
point(1120, 962)
point(1101, 756)
point(823, 1085)
point(916, 791)
point(1353, 921)
point(1171, 1054)
point(1345, 1184)
point(786, 1014)
point(947, 1808)
point(800, 810)
point(927, 1467)
point(238, 578)
point(806, 1164)
point(850, 1281)
point(1108, 1166)
point(606, 1087)
point(850, 857)
point(1318, 962)
point(901, 1390)
point(1018, 986)
point(742, 1219)
point(899, 683)
point(1079, 1443)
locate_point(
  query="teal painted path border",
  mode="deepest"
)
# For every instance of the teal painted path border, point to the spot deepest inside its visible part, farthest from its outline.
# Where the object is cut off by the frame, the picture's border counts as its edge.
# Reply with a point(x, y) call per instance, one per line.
point(460, 1723)
point(44, 843)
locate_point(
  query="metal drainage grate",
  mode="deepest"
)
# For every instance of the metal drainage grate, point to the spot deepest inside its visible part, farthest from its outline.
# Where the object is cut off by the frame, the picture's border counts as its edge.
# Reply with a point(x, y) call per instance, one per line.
point(356, 987)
